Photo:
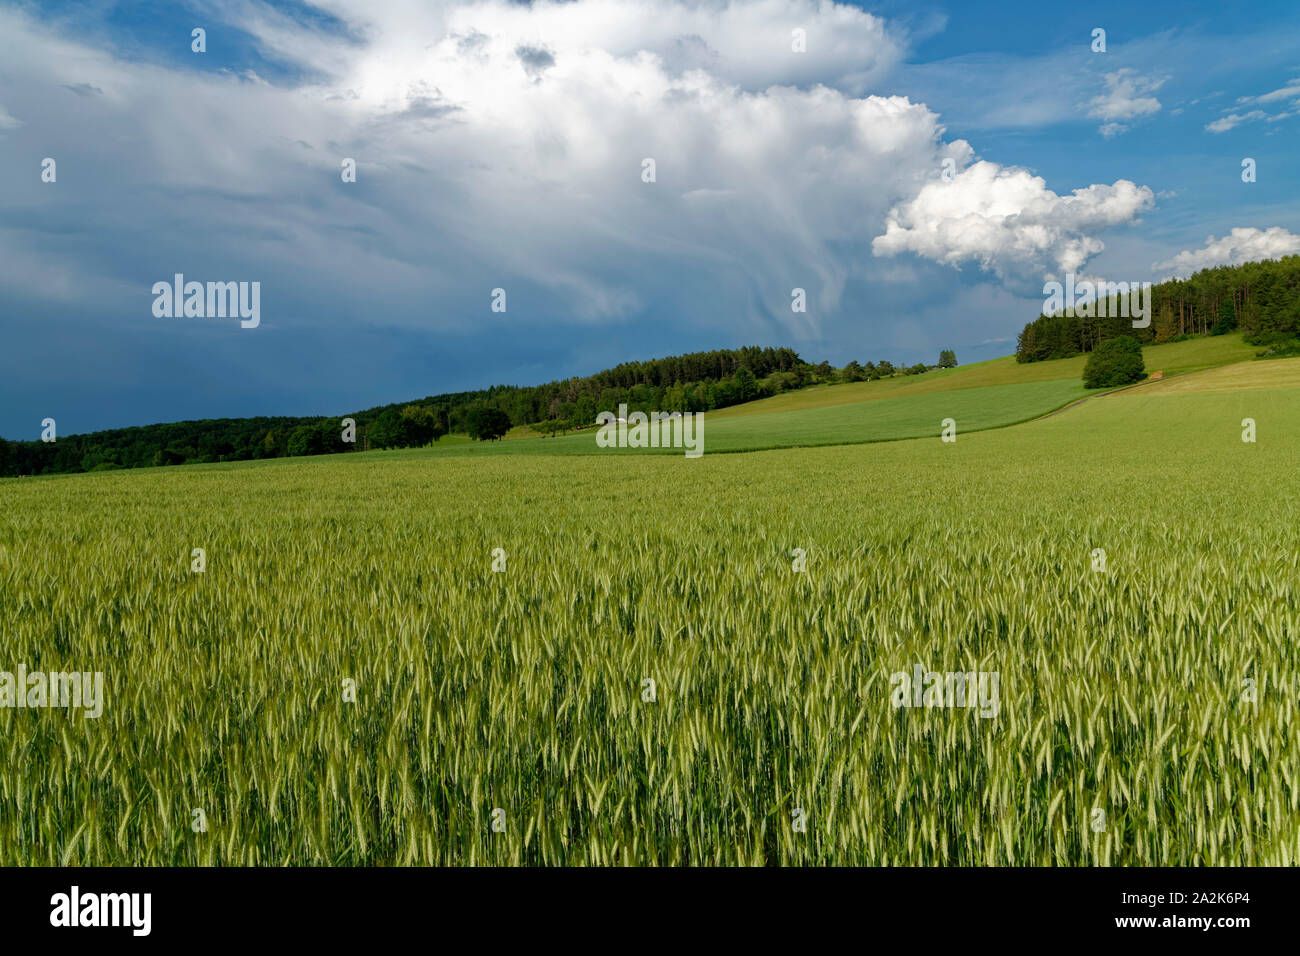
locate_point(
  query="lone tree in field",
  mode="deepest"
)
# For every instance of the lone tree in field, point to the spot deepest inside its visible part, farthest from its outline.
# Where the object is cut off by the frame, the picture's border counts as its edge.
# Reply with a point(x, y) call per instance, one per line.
point(947, 358)
point(487, 424)
point(1116, 361)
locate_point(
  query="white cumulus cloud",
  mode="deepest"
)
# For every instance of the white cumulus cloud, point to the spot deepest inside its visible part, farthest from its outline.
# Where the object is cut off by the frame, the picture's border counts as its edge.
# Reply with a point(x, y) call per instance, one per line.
point(1243, 244)
point(1008, 221)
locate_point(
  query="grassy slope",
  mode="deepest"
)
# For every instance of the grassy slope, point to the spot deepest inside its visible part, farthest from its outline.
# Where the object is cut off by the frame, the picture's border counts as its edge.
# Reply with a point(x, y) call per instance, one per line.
point(994, 394)
point(908, 406)
point(1264, 374)
point(1171, 358)
point(913, 416)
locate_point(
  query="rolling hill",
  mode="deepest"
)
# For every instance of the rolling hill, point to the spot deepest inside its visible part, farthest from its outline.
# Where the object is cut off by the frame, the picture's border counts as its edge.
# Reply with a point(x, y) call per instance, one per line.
point(992, 394)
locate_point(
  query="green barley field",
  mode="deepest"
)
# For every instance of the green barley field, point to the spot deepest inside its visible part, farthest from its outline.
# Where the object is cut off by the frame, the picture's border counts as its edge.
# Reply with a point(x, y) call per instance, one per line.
point(888, 418)
point(1148, 712)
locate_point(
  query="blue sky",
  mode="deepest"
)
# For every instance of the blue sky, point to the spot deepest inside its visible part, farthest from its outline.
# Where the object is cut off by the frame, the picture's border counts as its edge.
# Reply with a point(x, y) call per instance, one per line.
point(501, 145)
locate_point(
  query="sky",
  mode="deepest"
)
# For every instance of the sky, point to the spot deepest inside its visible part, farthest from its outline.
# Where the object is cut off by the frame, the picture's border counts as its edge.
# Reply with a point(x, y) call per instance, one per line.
point(918, 169)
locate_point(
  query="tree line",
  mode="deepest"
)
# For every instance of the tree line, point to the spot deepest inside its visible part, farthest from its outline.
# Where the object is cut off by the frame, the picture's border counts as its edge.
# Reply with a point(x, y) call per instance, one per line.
point(1262, 299)
point(695, 382)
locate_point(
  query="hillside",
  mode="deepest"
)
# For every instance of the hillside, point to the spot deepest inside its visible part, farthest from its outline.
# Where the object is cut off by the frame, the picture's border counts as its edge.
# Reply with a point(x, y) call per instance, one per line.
point(1170, 358)
point(1259, 298)
point(806, 411)
point(992, 394)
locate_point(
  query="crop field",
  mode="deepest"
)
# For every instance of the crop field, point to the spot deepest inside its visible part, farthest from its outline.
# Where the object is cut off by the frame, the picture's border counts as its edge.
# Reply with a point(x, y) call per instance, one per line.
point(1248, 376)
point(648, 678)
point(1170, 358)
point(990, 394)
point(888, 419)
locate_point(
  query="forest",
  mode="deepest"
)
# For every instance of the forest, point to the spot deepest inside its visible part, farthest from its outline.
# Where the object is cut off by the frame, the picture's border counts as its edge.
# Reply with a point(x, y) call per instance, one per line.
point(695, 382)
point(1262, 299)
